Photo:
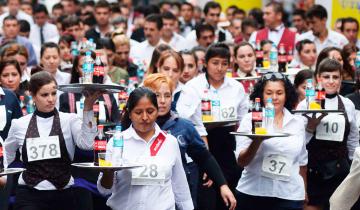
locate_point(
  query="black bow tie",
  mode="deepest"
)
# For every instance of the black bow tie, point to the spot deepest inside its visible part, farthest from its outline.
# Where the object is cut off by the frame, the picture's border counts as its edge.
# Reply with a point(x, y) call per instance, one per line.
point(274, 30)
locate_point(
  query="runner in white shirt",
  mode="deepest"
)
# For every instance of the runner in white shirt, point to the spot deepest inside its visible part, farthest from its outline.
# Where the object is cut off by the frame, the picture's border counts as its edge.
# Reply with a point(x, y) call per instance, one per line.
point(46, 140)
point(274, 168)
point(127, 188)
point(319, 34)
point(331, 138)
point(233, 105)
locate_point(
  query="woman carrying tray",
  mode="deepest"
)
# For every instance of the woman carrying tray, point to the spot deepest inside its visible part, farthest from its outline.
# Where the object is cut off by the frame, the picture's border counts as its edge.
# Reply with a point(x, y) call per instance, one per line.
point(46, 140)
point(161, 184)
point(331, 137)
point(229, 97)
point(274, 168)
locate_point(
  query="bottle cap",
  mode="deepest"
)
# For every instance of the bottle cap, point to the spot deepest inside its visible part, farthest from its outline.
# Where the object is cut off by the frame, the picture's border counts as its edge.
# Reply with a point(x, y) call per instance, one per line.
point(88, 53)
point(22, 98)
point(257, 99)
point(100, 126)
point(118, 128)
point(269, 100)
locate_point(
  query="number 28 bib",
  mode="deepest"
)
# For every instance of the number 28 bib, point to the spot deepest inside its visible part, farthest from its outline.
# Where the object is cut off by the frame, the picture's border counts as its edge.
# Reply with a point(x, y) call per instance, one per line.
point(331, 128)
point(152, 173)
point(43, 148)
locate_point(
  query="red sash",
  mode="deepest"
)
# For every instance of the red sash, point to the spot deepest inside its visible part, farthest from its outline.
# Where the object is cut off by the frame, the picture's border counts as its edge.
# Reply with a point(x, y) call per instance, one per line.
point(157, 144)
point(287, 38)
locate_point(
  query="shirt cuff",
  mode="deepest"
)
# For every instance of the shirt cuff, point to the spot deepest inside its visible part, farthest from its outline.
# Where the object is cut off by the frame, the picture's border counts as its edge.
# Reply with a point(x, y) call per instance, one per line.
point(101, 189)
point(185, 205)
point(89, 124)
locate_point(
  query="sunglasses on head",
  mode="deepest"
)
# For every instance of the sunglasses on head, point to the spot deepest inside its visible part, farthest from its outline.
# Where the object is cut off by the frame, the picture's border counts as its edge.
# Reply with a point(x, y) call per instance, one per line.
point(272, 75)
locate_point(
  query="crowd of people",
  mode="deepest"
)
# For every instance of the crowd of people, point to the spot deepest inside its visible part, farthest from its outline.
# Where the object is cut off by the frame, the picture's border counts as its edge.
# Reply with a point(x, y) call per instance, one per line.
point(176, 61)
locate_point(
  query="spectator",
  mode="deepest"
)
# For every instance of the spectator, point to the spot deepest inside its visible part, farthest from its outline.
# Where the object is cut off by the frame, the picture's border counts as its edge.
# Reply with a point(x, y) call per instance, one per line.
point(187, 21)
point(27, 8)
point(71, 25)
point(70, 6)
point(350, 29)
point(205, 35)
point(235, 30)
point(169, 36)
point(57, 11)
point(299, 21)
point(24, 28)
point(14, 10)
point(248, 26)
point(319, 34)
point(230, 12)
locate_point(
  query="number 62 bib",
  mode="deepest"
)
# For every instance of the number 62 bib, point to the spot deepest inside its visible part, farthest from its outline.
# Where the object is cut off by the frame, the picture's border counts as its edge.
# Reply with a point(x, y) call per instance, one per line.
point(152, 173)
point(331, 128)
point(43, 148)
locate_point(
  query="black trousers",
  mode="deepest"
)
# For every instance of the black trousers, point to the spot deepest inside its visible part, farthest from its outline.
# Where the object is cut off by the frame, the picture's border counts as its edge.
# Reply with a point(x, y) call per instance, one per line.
point(31, 199)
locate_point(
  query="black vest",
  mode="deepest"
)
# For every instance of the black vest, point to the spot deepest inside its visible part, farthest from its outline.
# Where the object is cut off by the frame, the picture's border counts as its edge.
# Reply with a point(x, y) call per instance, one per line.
point(57, 170)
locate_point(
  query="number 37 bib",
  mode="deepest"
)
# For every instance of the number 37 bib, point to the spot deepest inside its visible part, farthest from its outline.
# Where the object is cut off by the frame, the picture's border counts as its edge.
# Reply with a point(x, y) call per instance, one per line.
point(331, 128)
point(152, 172)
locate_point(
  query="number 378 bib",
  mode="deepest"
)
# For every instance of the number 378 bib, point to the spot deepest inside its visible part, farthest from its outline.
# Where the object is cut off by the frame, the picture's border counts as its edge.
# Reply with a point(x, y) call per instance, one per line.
point(43, 148)
point(331, 128)
point(152, 172)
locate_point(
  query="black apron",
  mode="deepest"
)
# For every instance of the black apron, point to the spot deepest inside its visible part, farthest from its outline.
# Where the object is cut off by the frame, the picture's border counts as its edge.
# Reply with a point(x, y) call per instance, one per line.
point(57, 170)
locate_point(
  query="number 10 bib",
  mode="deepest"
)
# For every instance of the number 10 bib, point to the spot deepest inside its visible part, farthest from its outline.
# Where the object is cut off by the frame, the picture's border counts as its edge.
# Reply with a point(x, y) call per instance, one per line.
point(331, 128)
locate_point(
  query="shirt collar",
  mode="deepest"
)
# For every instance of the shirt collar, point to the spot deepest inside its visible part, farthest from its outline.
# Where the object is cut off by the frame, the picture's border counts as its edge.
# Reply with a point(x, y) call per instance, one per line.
point(278, 28)
point(131, 133)
point(287, 117)
point(2, 91)
point(243, 74)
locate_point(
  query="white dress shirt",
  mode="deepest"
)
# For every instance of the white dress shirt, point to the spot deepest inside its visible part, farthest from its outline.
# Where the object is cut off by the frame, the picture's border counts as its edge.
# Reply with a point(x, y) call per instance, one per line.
point(143, 51)
point(175, 190)
point(177, 42)
point(62, 78)
point(253, 182)
point(50, 33)
point(332, 104)
point(334, 39)
point(75, 131)
point(231, 94)
point(348, 191)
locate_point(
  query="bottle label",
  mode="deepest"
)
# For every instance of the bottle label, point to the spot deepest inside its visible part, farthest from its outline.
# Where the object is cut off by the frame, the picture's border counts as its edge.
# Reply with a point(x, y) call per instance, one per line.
point(269, 113)
point(100, 145)
point(1, 152)
point(257, 116)
point(96, 71)
point(215, 103)
point(118, 143)
point(99, 70)
point(259, 54)
point(273, 56)
point(96, 107)
point(310, 92)
point(206, 106)
point(282, 59)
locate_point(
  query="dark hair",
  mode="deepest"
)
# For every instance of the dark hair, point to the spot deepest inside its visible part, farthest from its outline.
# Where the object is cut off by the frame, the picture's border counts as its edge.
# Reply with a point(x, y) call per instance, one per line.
point(155, 18)
point(191, 53)
point(300, 12)
point(12, 62)
point(168, 16)
point(257, 15)
point(300, 45)
point(90, 19)
point(217, 50)
point(187, 4)
point(248, 22)
point(237, 47)
point(302, 76)
point(88, 3)
point(70, 21)
point(39, 8)
point(277, 7)
point(74, 71)
point(290, 92)
point(39, 79)
point(239, 11)
point(317, 11)
point(265, 41)
point(198, 48)
point(155, 57)
point(324, 54)
point(135, 96)
point(58, 6)
point(345, 53)
point(162, 3)
point(349, 20)
point(67, 39)
point(199, 29)
point(106, 43)
point(10, 17)
point(211, 5)
point(103, 4)
point(329, 65)
point(24, 26)
point(47, 45)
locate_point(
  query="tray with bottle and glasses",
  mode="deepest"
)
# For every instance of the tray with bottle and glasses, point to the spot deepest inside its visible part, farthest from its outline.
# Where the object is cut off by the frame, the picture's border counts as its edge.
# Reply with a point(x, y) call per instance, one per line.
point(252, 135)
point(89, 88)
point(9, 171)
point(92, 166)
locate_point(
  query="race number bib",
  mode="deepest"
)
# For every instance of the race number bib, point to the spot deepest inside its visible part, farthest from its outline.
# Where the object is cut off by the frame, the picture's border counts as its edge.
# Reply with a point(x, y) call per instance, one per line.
point(276, 167)
point(331, 128)
point(228, 111)
point(2, 117)
point(43, 148)
point(152, 173)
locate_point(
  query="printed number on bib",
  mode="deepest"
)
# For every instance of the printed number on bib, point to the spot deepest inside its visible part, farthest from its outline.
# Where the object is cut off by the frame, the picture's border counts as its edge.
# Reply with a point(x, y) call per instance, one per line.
point(228, 113)
point(276, 167)
point(152, 173)
point(43, 148)
point(331, 128)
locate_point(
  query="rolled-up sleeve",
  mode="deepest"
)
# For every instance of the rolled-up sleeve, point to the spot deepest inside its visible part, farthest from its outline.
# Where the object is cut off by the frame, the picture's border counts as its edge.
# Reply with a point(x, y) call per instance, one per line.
point(83, 131)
